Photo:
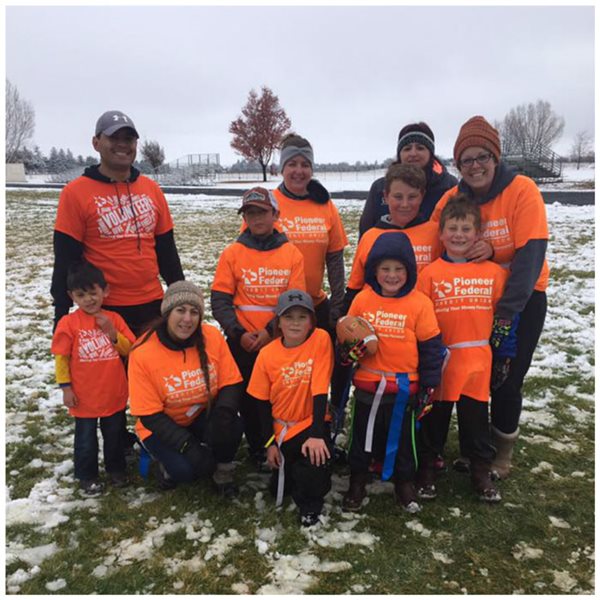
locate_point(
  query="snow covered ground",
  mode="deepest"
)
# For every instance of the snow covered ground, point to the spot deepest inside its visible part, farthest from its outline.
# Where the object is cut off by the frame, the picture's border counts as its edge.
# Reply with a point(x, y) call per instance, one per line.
point(33, 403)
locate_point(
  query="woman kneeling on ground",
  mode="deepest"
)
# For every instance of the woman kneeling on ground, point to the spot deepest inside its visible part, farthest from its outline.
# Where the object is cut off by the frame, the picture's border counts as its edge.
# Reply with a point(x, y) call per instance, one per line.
point(192, 429)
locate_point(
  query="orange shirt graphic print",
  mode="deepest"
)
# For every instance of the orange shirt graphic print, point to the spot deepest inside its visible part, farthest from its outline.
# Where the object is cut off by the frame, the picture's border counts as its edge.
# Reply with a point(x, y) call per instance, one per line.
point(120, 217)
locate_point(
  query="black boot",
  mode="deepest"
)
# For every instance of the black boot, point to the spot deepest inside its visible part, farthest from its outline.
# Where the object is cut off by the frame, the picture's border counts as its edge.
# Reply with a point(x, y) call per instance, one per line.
point(481, 478)
point(356, 493)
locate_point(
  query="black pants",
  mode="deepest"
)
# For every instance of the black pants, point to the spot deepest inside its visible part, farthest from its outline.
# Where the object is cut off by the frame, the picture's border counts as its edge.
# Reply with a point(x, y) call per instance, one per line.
point(473, 425)
point(138, 316)
point(248, 406)
point(507, 400)
point(358, 458)
point(309, 484)
point(86, 445)
point(340, 378)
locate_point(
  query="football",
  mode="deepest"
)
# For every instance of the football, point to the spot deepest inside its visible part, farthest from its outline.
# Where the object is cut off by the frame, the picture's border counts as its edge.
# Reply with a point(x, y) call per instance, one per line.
point(350, 330)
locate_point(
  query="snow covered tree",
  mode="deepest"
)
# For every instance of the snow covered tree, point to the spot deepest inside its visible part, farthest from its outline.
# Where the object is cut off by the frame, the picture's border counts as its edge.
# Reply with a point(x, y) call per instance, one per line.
point(582, 146)
point(153, 153)
point(530, 127)
point(257, 133)
point(20, 122)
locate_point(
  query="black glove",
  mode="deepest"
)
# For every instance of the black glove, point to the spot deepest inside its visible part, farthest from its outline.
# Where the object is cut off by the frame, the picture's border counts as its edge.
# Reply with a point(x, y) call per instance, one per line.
point(423, 402)
point(200, 457)
point(500, 369)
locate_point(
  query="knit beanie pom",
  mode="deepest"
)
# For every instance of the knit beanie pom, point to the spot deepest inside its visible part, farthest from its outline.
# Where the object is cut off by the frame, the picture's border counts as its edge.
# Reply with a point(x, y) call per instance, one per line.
point(477, 132)
point(182, 292)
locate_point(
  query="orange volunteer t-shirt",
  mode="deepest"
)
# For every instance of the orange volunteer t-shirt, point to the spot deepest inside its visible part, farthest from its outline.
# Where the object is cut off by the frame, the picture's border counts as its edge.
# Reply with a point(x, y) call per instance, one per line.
point(510, 220)
point(399, 324)
point(172, 381)
point(98, 376)
point(464, 297)
point(256, 278)
point(289, 378)
point(424, 238)
point(117, 223)
point(316, 230)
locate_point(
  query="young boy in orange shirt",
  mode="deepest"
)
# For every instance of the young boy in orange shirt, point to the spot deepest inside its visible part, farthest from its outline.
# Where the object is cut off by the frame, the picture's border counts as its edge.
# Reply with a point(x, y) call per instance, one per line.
point(392, 385)
point(464, 294)
point(87, 345)
point(251, 274)
point(291, 378)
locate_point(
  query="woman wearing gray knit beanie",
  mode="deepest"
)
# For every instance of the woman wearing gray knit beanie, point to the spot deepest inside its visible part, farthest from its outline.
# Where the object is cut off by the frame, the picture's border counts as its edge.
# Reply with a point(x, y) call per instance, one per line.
point(415, 146)
point(185, 388)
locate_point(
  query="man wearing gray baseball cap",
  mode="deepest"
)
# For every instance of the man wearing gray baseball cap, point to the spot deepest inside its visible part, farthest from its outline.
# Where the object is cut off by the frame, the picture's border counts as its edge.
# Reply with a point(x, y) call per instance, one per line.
point(119, 221)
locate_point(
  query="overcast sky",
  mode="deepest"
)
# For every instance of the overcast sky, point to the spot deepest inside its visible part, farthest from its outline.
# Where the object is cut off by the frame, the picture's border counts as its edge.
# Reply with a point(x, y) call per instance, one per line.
point(348, 77)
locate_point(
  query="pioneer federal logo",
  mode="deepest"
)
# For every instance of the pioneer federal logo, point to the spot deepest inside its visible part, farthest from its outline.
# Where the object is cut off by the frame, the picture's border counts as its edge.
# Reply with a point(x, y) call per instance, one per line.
point(297, 373)
point(266, 277)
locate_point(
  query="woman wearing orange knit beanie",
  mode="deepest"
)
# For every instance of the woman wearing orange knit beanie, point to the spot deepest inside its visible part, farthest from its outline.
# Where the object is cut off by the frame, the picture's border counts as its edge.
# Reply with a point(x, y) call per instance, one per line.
point(514, 221)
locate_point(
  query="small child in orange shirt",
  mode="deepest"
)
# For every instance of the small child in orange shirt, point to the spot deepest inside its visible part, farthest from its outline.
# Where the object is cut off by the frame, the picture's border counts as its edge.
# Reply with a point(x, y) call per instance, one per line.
point(291, 379)
point(464, 295)
point(87, 345)
point(393, 385)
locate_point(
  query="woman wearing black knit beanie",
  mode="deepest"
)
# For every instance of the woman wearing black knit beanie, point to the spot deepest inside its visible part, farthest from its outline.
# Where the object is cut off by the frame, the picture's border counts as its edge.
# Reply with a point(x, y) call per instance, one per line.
point(415, 146)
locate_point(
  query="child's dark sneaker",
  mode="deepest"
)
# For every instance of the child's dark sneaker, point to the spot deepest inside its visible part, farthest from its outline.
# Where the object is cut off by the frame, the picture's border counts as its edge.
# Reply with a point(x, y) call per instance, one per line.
point(462, 465)
point(406, 496)
point(483, 484)
point(91, 487)
point(426, 481)
point(440, 464)
point(224, 482)
point(309, 519)
point(353, 498)
point(118, 480)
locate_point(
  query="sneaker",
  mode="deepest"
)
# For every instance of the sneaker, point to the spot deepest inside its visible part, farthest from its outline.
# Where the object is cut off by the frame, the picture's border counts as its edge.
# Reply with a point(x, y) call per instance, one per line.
point(482, 483)
point(439, 464)
point(91, 487)
point(164, 480)
point(224, 482)
point(118, 480)
point(426, 481)
point(462, 465)
point(309, 519)
point(353, 498)
point(406, 496)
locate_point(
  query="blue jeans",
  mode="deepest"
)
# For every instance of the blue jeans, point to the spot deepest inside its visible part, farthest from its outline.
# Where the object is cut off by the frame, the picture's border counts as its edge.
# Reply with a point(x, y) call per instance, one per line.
point(86, 445)
point(178, 466)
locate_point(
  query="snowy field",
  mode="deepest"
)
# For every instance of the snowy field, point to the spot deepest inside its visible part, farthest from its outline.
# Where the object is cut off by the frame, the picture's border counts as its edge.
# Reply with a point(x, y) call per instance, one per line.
point(255, 549)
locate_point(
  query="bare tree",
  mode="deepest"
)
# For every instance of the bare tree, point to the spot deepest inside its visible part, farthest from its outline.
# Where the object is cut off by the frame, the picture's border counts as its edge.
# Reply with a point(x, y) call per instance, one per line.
point(20, 122)
point(153, 153)
point(582, 146)
point(530, 127)
point(257, 133)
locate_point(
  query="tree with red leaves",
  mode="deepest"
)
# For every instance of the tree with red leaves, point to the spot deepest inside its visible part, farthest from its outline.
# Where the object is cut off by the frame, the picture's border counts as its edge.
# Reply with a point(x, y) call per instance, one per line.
point(257, 133)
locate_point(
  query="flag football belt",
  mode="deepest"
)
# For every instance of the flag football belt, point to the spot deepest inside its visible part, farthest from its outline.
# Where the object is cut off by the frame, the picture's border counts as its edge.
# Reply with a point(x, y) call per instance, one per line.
point(281, 475)
point(254, 308)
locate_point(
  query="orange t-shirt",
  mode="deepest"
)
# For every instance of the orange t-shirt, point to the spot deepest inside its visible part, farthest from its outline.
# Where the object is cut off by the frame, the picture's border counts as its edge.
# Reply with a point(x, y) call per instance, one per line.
point(464, 297)
point(101, 217)
point(515, 216)
point(256, 278)
point(399, 324)
point(97, 372)
point(290, 377)
point(424, 238)
point(172, 381)
point(316, 230)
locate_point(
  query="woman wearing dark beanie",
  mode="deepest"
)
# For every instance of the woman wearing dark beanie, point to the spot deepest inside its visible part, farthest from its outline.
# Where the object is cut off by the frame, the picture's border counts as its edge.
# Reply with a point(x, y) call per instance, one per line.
point(185, 389)
point(513, 220)
point(416, 146)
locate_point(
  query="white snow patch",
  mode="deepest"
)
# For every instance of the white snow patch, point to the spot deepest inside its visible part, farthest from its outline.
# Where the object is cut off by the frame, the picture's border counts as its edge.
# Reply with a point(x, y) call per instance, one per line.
point(223, 544)
point(240, 588)
point(54, 586)
point(523, 551)
point(32, 556)
point(559, 523)
point(441, 557)
point(418, 527)
point(563, 581)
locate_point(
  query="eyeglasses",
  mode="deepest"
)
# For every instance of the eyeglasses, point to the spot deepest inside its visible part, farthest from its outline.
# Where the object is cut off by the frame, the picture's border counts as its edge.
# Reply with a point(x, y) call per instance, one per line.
point(482, 159)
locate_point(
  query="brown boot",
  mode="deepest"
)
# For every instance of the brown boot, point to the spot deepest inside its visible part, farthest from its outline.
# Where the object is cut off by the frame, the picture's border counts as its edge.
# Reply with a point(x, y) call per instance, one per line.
point(406, 496)
point(356, 493)
point(481, 479)
point(504, 444)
